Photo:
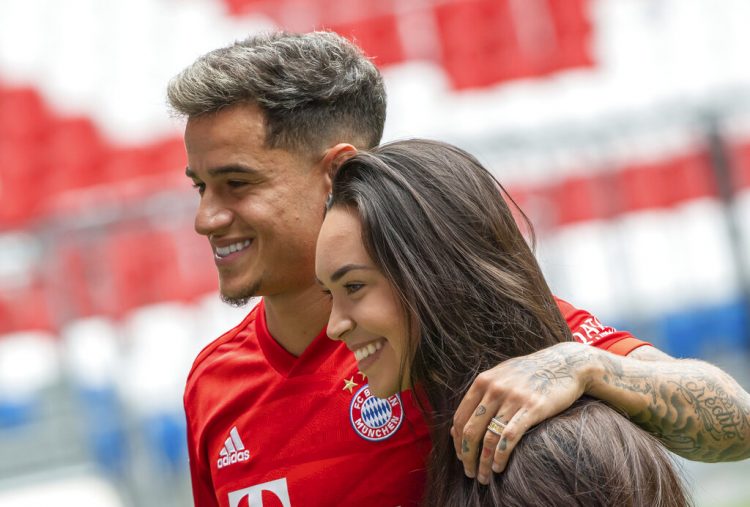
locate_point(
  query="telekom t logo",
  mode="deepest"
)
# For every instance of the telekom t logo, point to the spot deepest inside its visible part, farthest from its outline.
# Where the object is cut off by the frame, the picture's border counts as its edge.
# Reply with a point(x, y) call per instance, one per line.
point(254, 494)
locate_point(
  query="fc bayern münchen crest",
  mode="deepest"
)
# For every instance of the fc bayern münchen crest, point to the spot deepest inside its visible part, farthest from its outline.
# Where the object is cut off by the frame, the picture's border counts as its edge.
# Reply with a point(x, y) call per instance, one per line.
point(373, 418)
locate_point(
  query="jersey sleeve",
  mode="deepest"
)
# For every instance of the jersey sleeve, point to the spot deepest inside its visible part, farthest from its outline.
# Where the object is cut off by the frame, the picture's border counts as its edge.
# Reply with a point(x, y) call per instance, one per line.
point(587, 329)
point(200, 473)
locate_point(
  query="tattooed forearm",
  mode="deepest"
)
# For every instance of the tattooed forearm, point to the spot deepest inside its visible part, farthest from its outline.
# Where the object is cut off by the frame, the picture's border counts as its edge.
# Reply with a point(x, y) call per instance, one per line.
point(553, 366)
point(697, 411)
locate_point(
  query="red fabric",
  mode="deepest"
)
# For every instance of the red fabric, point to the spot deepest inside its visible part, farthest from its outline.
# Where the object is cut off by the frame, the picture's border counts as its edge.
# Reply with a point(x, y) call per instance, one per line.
point(292, 416)
point(587, 329)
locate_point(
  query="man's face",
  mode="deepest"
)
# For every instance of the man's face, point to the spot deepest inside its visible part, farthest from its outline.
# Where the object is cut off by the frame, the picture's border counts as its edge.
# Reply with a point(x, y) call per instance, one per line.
point(260, 208)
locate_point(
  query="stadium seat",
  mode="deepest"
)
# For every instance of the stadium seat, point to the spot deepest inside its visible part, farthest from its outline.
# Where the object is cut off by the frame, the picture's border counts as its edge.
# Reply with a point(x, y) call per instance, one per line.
point(583, 198)
point(706, 330)
point(377, 36)
point(21, 172)
point(644, 186)
point(143, 268)
point(23, 115)
point(104, 426)
point(243, 7)
point(166, 436)
point(74, 154)
point(28, 364)
point(490, 55)
point(169, 156)
point(573, 32)
point(691, 177)
point(122, 164)
point(91, 352)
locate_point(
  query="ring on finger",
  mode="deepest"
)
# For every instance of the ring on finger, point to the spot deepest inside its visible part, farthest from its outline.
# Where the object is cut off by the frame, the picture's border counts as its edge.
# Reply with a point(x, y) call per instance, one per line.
point(496, 426)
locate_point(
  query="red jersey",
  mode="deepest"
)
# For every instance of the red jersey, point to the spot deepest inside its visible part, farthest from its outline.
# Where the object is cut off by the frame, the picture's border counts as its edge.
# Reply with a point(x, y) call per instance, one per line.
point(266, 428)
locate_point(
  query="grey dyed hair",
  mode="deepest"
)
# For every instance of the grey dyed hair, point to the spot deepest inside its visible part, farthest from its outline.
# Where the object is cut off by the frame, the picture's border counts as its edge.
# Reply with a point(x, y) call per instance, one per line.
point(315, 89)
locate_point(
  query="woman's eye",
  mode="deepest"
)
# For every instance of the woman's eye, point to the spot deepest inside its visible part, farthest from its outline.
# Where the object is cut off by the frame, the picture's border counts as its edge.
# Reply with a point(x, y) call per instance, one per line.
point(351, 288)
point(200, 187)
point(326, 293)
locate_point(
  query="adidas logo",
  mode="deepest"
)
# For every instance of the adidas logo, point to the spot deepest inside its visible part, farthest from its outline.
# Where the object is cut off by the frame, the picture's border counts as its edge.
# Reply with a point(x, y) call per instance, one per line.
point(234, 450)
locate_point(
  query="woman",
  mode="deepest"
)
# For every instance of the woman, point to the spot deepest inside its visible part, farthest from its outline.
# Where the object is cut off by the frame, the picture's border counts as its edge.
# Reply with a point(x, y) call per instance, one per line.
point(432, 282)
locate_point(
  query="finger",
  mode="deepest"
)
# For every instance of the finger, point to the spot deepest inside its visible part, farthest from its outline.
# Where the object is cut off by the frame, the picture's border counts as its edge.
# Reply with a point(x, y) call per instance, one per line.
point(474, 432)
point(468, 406)
point(511, 435)
point(453, 436)
point(486, 457)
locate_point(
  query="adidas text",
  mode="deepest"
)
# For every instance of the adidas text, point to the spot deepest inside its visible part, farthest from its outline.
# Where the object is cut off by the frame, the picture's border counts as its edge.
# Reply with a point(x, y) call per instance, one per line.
point(233, 458)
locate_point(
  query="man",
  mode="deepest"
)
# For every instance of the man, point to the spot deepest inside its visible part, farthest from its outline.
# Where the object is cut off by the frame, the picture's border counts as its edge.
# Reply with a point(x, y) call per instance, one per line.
point(278, 413)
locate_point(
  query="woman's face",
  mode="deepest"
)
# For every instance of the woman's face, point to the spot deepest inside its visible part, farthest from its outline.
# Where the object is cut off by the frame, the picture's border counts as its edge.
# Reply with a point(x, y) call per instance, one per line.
point(366, 314)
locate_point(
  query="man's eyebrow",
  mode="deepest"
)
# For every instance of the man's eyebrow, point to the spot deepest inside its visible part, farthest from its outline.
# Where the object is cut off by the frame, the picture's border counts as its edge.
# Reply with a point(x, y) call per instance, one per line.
point(226, 169)
point(345, 269)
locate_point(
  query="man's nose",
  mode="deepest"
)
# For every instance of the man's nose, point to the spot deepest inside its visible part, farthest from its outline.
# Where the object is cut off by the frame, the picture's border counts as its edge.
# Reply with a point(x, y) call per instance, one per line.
point(211, 217)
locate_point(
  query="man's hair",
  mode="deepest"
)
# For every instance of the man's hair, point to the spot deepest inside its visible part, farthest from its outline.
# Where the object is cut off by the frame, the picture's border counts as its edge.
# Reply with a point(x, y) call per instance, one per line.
point(315, 89)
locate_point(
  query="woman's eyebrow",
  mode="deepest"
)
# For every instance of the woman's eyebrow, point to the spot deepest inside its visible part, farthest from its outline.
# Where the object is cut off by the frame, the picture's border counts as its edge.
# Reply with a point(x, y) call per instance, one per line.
point(345, 269)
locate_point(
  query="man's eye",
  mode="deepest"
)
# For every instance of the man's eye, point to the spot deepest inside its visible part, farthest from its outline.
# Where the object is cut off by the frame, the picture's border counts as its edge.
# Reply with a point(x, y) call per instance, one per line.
point(236, 183)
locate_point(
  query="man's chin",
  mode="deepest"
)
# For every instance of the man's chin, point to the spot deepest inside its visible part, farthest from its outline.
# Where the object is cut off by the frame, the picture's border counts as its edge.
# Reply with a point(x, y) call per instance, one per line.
point(240, 297)
point(235, 301)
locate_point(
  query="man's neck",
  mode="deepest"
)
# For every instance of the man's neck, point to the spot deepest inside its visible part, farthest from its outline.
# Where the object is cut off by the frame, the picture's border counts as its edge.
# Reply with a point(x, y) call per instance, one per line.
point(295, 319)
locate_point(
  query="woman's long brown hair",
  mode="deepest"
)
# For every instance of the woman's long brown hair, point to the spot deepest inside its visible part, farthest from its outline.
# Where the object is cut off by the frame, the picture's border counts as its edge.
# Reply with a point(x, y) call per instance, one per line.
point(589, 456)
point(434, 222)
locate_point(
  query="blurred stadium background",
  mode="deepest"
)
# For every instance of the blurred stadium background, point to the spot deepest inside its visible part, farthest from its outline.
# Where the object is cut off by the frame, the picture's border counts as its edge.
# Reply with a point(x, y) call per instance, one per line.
point(622, 127)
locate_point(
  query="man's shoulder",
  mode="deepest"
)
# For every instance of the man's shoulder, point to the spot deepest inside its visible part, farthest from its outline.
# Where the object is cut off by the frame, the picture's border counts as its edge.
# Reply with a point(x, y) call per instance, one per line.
point(210, 349)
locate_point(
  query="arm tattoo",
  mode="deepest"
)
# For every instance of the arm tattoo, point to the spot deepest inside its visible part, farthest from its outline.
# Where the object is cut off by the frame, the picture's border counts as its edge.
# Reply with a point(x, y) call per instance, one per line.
point(551, 368)
point(696, 410)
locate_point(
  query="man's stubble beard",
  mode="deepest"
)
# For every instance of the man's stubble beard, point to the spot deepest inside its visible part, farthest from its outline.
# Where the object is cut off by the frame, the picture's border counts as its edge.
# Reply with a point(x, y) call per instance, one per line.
point(241, 299)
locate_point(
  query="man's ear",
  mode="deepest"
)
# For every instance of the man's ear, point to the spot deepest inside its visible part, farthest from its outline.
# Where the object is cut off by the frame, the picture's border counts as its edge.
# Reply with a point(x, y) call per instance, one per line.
point(337, 155)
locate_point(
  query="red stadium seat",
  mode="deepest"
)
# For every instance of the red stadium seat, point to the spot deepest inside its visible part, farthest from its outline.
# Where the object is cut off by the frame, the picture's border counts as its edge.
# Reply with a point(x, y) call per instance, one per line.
point(75, 283)
point(490, 55)
point(26, 308)
point(583, 198)
point(195, 263)
point(21, 177)
point(378, 36)
point(169, 156)
point(23, 115)
point(121, 164)
point(691, 177)
point(511, 41)
point(573, 32)
point(74, 155)
point(242, 7)
point(144, 269)
point(644, 186)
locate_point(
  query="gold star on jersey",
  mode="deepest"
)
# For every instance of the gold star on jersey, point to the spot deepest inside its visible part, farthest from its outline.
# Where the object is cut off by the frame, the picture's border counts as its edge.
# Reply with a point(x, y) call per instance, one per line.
point(349, 384)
